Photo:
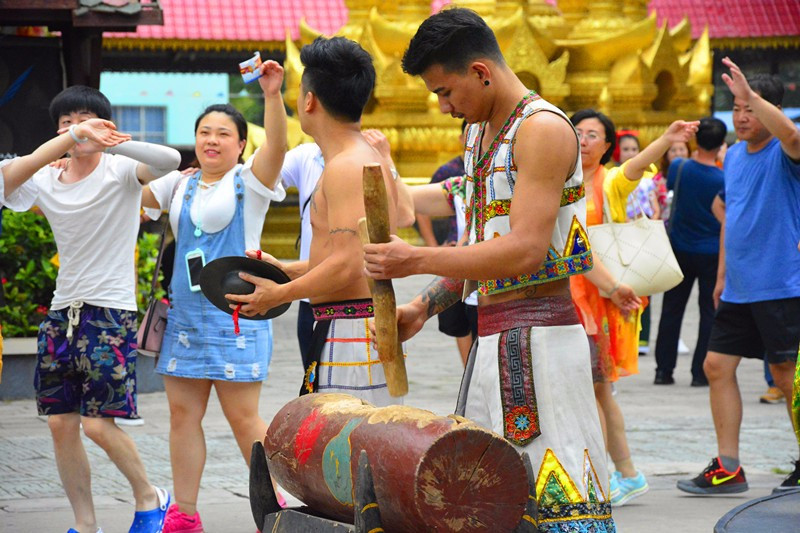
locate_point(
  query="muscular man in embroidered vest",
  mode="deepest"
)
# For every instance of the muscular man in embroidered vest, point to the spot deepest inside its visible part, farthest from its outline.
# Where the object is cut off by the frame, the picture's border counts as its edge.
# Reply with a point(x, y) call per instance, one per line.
point(529, 378)
point(336, 84)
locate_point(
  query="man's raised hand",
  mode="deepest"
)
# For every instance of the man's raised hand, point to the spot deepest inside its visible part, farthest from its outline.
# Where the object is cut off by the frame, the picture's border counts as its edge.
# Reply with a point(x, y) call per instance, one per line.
point(736, 81)
point(100, 133)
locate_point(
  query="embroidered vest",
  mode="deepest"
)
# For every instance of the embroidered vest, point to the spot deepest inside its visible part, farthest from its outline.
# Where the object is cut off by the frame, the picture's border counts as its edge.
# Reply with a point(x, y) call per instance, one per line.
point(490, 190)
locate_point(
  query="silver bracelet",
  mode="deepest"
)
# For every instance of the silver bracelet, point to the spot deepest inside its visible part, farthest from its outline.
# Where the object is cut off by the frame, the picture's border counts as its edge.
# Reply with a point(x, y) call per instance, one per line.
point(75, 137)
point(614, 289)
point(395, 175)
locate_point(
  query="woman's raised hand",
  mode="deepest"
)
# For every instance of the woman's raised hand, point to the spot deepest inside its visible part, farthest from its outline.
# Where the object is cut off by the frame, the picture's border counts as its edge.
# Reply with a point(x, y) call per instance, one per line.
point(681, 131)
point(271, 77)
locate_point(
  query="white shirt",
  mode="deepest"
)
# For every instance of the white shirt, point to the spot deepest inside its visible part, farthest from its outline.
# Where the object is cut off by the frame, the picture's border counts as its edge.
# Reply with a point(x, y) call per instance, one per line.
point(215, 206)
point(460, 207)
point(95, 222)
point(302, 168)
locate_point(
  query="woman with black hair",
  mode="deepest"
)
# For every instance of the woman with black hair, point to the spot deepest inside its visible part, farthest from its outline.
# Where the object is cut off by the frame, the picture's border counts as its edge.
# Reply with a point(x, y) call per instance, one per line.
point(612, 323)
point(219, 211)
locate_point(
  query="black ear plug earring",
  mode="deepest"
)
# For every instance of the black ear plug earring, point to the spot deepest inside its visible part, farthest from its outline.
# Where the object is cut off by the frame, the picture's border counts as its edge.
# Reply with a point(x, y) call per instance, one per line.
point(486, 82)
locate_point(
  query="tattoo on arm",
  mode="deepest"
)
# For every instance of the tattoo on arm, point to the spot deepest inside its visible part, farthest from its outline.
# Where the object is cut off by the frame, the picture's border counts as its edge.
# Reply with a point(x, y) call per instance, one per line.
point(342, 230)
point(441, 294)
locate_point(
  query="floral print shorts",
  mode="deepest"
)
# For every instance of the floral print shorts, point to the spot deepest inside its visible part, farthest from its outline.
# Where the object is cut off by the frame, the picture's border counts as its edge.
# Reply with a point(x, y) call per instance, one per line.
point(94, 372)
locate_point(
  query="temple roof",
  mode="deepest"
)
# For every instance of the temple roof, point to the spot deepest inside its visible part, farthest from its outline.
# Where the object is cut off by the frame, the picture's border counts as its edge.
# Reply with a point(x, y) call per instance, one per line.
point(221, 20)
point(732, 19)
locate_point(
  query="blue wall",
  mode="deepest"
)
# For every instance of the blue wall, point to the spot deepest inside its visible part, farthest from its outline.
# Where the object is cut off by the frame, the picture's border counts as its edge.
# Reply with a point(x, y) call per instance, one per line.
point(184, 96)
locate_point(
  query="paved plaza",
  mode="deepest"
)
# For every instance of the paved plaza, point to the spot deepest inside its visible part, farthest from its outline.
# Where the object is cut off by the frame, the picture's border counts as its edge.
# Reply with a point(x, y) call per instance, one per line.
point(669, 430)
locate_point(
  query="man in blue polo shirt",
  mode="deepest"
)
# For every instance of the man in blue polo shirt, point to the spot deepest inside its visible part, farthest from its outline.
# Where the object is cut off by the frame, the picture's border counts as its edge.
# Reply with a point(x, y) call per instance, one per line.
point(759, 308)
point(694, 234)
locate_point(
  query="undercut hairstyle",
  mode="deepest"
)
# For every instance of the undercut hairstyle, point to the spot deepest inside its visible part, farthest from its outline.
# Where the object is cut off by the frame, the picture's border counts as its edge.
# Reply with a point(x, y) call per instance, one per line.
point(232, 112)
point(340, 73)
point(452, 38)
point(80, 99)
point(768, 86)
point(608, 125)
point(711, 133)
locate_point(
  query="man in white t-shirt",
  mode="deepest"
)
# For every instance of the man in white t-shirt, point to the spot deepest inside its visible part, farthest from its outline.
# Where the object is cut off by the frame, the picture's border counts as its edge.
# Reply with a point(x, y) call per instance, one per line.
point(302, 167)
point(86, 368)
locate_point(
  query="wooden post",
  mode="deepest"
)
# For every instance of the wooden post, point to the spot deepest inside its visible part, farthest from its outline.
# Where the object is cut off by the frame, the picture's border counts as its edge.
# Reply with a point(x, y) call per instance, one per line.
point(376, 206)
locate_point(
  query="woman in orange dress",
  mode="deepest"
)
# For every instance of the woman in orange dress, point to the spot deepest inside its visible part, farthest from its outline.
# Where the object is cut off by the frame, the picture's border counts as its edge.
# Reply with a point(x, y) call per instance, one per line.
point(612, 323)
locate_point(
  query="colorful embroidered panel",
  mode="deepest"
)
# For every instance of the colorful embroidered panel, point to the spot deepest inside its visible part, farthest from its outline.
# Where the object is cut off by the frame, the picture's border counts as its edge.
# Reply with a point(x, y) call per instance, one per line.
point(562, 507)
point(570, 195)
point(520, 412)
point(491, 180)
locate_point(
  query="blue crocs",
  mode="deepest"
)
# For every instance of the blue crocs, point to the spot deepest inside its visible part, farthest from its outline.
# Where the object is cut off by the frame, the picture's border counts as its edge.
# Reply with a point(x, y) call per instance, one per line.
point(152, 521)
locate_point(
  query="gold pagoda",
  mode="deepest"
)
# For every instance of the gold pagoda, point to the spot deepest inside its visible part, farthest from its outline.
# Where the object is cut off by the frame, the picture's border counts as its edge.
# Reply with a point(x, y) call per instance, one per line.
point(605, 54)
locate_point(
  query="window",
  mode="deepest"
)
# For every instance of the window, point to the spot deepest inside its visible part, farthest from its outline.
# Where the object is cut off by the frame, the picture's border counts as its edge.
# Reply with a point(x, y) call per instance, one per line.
point(144, 123)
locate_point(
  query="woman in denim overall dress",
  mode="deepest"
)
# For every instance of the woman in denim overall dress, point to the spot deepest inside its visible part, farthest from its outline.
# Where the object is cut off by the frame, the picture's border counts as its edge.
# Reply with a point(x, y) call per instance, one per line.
point(219, 211)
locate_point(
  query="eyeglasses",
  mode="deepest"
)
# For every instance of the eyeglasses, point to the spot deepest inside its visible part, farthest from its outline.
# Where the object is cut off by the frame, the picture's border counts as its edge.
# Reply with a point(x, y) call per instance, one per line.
point(590, 136)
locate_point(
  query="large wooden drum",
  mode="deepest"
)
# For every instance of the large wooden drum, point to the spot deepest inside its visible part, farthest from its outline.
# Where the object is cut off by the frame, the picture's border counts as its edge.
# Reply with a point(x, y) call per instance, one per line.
point(431, 473)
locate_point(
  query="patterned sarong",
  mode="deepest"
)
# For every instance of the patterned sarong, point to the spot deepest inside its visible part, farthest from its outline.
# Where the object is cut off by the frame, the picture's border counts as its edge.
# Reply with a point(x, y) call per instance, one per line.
point(342, 356)
point(532, 383)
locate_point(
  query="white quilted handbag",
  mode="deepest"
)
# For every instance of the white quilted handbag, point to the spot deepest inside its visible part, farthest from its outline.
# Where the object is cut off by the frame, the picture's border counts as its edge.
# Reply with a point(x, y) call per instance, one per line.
point(637, 253)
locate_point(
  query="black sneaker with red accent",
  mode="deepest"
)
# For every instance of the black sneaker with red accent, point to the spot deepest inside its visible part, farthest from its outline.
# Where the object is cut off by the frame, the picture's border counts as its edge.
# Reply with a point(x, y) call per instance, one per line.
point(790, 483)
point(715, 480)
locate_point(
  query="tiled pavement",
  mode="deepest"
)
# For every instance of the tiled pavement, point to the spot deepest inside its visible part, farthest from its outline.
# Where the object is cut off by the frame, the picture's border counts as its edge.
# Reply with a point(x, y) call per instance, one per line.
point(669, 431)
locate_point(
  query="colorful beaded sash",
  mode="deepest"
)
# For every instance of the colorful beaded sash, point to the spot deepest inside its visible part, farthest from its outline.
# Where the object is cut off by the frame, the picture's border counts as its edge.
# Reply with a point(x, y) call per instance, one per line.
point(348, 309)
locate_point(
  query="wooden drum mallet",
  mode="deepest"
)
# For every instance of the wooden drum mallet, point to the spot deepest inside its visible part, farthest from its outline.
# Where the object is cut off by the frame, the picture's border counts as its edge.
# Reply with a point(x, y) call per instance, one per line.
point(390, 352)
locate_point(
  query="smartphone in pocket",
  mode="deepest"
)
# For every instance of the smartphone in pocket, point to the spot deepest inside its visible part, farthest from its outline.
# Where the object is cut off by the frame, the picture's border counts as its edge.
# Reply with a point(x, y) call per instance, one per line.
point(195, 261)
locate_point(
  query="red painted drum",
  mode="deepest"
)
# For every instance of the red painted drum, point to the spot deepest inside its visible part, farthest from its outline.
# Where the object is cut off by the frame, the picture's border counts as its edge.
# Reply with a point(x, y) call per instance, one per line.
point(431, 473)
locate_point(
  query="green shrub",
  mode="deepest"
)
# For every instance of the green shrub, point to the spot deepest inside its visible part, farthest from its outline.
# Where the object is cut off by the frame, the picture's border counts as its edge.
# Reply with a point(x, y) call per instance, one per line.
point(29, 274)
point(148, 252)
point(29, 277)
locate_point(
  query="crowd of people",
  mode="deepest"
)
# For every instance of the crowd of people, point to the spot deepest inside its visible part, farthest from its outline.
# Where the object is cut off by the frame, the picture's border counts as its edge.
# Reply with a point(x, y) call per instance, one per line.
point(544, 331)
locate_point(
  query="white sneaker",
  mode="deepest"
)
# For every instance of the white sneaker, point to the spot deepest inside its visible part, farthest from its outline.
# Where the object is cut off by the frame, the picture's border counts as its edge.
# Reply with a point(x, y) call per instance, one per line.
point(129, 421)
point(682, 348)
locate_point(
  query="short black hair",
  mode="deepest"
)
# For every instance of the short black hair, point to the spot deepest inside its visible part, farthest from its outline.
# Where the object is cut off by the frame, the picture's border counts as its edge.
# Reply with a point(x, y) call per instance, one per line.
point(768, 86)
point(235, 115)
point(608, 125)
point(629, 136)
point(711, 133)
point(340, 73)
point(77, 99)
point(452, 38)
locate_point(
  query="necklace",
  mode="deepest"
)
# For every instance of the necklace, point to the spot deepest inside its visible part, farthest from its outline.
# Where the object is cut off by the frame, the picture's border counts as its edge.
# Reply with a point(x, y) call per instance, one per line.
point(198, 227)
point(204, 185)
